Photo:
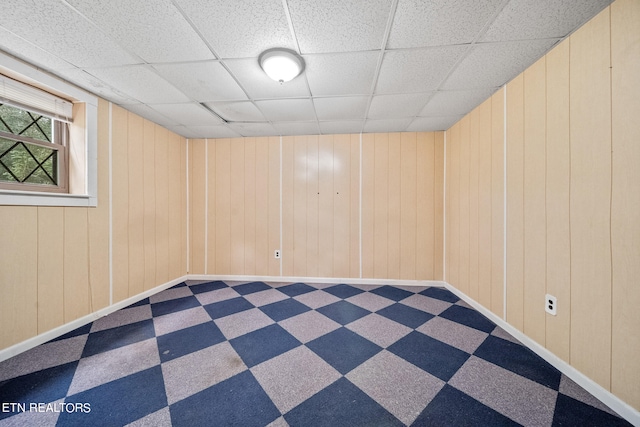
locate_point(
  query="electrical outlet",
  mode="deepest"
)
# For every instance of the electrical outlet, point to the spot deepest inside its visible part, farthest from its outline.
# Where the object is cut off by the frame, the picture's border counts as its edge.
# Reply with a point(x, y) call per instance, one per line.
point(550, 304)
point(277, 254)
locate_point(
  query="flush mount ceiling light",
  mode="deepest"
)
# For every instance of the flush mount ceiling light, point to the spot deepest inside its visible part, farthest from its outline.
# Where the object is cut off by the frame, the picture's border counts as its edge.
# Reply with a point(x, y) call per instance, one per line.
point(282, 65)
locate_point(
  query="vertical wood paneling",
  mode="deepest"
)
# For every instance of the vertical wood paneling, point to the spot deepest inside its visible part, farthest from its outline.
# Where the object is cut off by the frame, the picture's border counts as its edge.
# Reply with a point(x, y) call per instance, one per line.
point(149, 188)
point(341, 205)
point(484, 204)
point(300, 211)
point(438, 208)
point(120, 208)
point(325, 207)
point(312, 206)
point(515, 202)
point(162, 176)
point(211, 207)
point(354, 206)
point(176, 191)
point(223, 206)
point(590, 134)
point(393, 207)
point(76, 264)
point(453, 221)
point(381, 211)
point(274, 204)
point(425, 218)
point(558, 337)
point(50, 258)
point(263, 255)
point(136, 204)
point(183, 207)
point(463, 199)
point(625, 237)
point(534, 200)
point(474, 153)
point(497, 203)
point(368, 204)
point(249, 206)
point(409, 207)
point(288, 208)
point(197, 169)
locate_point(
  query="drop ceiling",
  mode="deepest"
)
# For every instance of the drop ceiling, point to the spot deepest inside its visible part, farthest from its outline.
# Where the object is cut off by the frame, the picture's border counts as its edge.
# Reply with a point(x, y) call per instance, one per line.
point(371, 65)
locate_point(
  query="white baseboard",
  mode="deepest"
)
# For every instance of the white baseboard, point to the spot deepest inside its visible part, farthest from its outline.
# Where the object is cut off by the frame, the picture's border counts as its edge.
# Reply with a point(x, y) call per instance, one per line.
point(336, 280)
point(75, 324)
point(623, 409)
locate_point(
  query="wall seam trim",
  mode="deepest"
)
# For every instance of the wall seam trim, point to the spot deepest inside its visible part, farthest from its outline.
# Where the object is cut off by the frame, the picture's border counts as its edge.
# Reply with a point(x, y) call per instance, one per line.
point(188, 210)
point(444, 210)
point(280, 226)
point(504, 203)
point(110, 203)
point(206, 204)
point(360, 208)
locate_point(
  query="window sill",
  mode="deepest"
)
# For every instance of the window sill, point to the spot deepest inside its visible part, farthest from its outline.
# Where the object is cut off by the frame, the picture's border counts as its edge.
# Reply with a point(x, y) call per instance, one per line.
point(33, 198)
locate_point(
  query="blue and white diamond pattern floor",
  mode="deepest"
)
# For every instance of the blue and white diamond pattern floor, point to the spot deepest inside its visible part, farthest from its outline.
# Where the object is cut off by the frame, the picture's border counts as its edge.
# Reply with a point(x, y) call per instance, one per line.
point(257, 354)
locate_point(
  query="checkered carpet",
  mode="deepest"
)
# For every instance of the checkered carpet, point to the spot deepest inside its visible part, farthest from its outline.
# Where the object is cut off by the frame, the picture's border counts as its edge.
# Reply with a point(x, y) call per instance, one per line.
point(256, 354)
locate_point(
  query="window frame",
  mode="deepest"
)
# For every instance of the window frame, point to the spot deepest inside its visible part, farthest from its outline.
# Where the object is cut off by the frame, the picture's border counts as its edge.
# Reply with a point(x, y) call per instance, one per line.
point(86, 104)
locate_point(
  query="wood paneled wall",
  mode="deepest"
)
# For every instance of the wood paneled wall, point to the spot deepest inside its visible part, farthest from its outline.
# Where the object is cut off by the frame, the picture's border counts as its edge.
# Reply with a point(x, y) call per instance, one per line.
point(572, 225)
point(235, 203)
point(54, 266)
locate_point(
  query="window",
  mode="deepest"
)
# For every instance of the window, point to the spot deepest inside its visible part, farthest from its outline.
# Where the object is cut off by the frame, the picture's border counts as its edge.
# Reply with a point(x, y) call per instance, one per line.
point(48, 139)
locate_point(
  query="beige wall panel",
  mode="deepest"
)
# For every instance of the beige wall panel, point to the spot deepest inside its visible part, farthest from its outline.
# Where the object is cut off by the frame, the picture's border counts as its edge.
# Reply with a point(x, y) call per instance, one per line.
point(175, 146)
point(325, 208)
point(149, 177)
point(464, 198)
point(211, 207)
point(484, 204)
point(76, 264)
point(98, 218)
point(18, 275)
point(300, 191)
point(625, 237)
point(590, 134)
point(263, 255)
point(162, 205)
point(515, 202)
point(223, 205)
point(438, 208)
point(183, 206)
point(558, 278)
point(381, 211)
point(393, 207)
point(474, 154)
point(534, 201)
point(497, 203)
point(120, 207)
point(368, 204)
point(50, 272)
point(250, 206)
point(341, 205)
point(409, 205)
point(288, 232)
point(312, 206)
point(274, 204)
point(354, 207)
point(424, 200)
point(453, 212)
point(197, 208)
point(136, 204)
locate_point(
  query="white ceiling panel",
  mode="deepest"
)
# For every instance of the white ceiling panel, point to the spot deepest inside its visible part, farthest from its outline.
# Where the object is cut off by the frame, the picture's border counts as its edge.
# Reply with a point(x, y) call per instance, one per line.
point(202, 81)
point(339, 25)
point(253, 129)
point(342, 73)
point(155, 31)
point(297, 128)
point(453, 103)
point(56, 28)
point(524, 19)
point(335, 127)
point(258, 85)
point(422, 70)
point(94, 85)
point(430, 124)
point(341, 108)
point(140, 83)
point(386, 125)
point(144, 110)
point(187, 114)
point(285, 110)
point(240, 29)
point(494, 64)
point(440, 22)
point(22, 48)
point(397, 106)
point(201, 132)
point(238, 111)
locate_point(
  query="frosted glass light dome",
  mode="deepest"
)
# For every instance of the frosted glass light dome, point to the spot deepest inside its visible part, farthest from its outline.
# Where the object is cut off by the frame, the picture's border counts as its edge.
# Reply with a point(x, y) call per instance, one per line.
point(281, 65)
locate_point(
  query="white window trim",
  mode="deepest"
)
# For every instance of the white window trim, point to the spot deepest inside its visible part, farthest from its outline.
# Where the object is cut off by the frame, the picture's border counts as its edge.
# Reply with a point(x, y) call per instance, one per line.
point(90, 196)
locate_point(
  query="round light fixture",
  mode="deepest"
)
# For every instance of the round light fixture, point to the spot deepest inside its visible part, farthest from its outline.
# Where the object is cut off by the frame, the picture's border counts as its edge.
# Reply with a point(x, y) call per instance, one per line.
point(282, 65)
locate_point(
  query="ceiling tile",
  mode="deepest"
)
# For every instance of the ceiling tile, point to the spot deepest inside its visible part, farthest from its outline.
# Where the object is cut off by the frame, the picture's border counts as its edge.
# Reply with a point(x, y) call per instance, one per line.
point(453, 103)
point(149, 113)
point(238, 111)
point(297, 128)
point(342, 73)
point(188, 114)
point(57, 29)
point(240, 29)
point(284, 110)
point(439, 22)
point(417, 70)
point(339, 25)
point(387, 125)
point(94, 85)
point(337, 127)
point(155, 31)
point(397, 106)
point(341, 108)
point(494, 64)
point(258, 85)
point(202, 81)
point(30, 52)
point(253, 129)
point(523, 19)
point(216, 131)
point(431, 124)
point(140, 83)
